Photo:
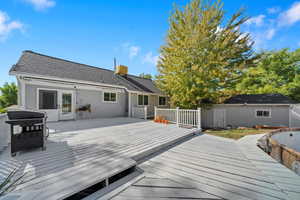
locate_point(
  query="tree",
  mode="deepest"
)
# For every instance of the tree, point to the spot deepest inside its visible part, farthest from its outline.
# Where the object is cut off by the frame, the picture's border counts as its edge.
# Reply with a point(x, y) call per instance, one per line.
point(143, 75)
point(274, 72)
point(9, 95)
point(204, 56)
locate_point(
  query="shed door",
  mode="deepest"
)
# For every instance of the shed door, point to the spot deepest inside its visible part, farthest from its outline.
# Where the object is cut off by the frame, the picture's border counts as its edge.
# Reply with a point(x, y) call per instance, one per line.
point(219, 118)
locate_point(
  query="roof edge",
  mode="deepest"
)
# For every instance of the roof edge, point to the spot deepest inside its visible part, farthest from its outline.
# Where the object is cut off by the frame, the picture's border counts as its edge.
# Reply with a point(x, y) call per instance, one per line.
point(74, 62)
point(77, 81)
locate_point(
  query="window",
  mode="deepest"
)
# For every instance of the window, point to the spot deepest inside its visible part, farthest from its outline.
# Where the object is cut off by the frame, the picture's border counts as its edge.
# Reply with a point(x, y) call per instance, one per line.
point(47, 99)
point(142, 100)
point(162, 101)
point(263, 113)
point(110, 97)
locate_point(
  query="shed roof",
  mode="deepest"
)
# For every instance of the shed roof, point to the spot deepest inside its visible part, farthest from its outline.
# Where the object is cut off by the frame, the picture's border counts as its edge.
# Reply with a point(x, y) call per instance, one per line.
point(259, 99)
point(38, 64)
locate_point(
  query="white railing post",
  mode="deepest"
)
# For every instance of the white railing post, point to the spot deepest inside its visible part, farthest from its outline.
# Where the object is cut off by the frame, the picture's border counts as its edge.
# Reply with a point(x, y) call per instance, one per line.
point(177, 116)
point(199, 119)
point(155, 113)
point(145, 112)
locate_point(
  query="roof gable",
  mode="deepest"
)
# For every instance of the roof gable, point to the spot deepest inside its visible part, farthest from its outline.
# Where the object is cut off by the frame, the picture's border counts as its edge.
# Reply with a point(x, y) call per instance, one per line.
point(43, 65)
point(260, 99)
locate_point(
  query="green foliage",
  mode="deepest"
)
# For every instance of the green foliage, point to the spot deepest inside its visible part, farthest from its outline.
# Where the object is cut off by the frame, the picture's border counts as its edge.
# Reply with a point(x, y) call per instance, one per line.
point(204, 55)
point(9, 95)
point(143, 75)
point(3, 110)
point(274, 72)
point(236, 133)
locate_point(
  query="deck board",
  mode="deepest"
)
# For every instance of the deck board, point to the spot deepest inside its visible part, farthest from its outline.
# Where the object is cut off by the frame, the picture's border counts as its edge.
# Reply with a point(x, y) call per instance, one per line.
point(283, 177)
point(219, 167)
point(75, 149)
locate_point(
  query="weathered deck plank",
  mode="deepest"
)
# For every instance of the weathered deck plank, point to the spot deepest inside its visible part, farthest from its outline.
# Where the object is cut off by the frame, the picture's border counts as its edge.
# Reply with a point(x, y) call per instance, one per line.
point(284, 178)
point(218, 167)
point(74, 153)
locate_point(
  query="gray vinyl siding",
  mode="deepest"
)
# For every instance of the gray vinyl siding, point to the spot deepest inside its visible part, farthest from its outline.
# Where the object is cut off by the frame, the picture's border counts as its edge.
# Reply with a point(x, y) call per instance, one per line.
point(152, 100)
point(245, 116)
point(19, 92)
point(207, 118)
point(99, 108)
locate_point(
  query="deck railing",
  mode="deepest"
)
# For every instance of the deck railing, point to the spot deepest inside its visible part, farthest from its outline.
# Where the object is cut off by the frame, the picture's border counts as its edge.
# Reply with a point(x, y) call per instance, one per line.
point(181, 117)
point(140, 112)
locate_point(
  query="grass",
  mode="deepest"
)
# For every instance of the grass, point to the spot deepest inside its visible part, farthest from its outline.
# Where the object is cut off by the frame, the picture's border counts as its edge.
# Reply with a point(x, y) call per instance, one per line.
point(236, 133)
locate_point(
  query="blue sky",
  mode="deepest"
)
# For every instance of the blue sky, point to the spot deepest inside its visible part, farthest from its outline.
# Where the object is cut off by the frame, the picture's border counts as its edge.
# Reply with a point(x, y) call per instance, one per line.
point(94, 32)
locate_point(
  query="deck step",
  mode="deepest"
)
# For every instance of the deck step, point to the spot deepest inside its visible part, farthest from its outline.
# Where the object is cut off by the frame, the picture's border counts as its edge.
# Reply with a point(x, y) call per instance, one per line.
point(61, 185)
point(152, 150)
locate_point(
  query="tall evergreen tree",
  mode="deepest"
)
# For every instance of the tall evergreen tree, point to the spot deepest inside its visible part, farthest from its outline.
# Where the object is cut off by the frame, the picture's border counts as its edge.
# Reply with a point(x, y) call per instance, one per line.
point(204, 55)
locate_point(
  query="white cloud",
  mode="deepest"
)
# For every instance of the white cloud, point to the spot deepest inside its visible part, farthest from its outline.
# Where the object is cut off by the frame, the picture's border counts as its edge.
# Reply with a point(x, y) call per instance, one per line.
point(274, 10)
point(7, 26)
point(270, 33)
point(133, 51)
point(41, 4)
point(298, 43)
point(258, 20)
point(262, 37)
point(291, 16)
point(150, 58)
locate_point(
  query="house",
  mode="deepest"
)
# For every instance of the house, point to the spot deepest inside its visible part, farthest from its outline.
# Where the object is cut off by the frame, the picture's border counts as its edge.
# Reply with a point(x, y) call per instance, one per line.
point(248, 110)
point(67, 90)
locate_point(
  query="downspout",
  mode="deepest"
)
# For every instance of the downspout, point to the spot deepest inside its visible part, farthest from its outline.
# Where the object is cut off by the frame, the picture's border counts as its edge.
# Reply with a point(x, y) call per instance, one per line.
point(290, 116)
point(129, 104)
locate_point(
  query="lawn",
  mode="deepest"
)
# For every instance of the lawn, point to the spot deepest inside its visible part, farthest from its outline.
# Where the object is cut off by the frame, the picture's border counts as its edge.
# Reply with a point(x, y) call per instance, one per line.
point(236, 133)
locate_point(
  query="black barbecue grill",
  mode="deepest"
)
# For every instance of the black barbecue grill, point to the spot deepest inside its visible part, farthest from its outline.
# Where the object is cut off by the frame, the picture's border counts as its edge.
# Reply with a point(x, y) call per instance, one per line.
point(28, 130)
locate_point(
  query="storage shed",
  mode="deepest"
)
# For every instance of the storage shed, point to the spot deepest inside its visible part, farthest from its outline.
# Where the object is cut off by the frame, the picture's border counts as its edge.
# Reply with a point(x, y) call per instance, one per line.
point(248, 110)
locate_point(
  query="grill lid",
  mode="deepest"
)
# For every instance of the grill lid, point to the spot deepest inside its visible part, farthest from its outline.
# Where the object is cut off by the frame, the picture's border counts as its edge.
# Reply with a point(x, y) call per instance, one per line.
point(13, 115)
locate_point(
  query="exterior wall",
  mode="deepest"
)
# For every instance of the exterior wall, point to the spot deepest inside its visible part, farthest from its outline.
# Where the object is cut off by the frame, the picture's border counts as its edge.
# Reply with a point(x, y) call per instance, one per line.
point(295, 116)
point(153, 101)
point(207, 118)
point(99, 109)
point(19, 92)
point(244, 115)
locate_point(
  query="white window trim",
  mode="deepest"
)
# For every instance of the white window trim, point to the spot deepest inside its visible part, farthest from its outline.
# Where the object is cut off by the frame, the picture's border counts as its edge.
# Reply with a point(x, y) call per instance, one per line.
point(116, 101)
point(269, 110)
point(165, 101)
point(38, 98)
point(143, 100)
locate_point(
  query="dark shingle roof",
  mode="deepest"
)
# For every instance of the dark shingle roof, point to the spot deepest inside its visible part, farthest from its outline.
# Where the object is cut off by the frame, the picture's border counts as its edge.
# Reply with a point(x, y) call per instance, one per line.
point(39, 64)
point(260, 99)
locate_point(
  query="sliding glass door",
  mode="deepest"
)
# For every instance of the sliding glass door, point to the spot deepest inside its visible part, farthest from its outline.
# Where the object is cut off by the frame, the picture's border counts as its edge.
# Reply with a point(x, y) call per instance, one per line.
point(58, 104)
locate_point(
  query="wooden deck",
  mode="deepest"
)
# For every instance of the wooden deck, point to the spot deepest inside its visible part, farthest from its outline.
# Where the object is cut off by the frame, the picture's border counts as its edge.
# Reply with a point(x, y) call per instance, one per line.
point(82, 153)
point(210, 167)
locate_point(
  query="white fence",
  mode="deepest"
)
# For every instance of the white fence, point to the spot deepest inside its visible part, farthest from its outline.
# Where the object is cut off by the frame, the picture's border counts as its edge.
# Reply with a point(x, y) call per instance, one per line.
point(4, 132)
point(295, 116)
point(182, 117)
